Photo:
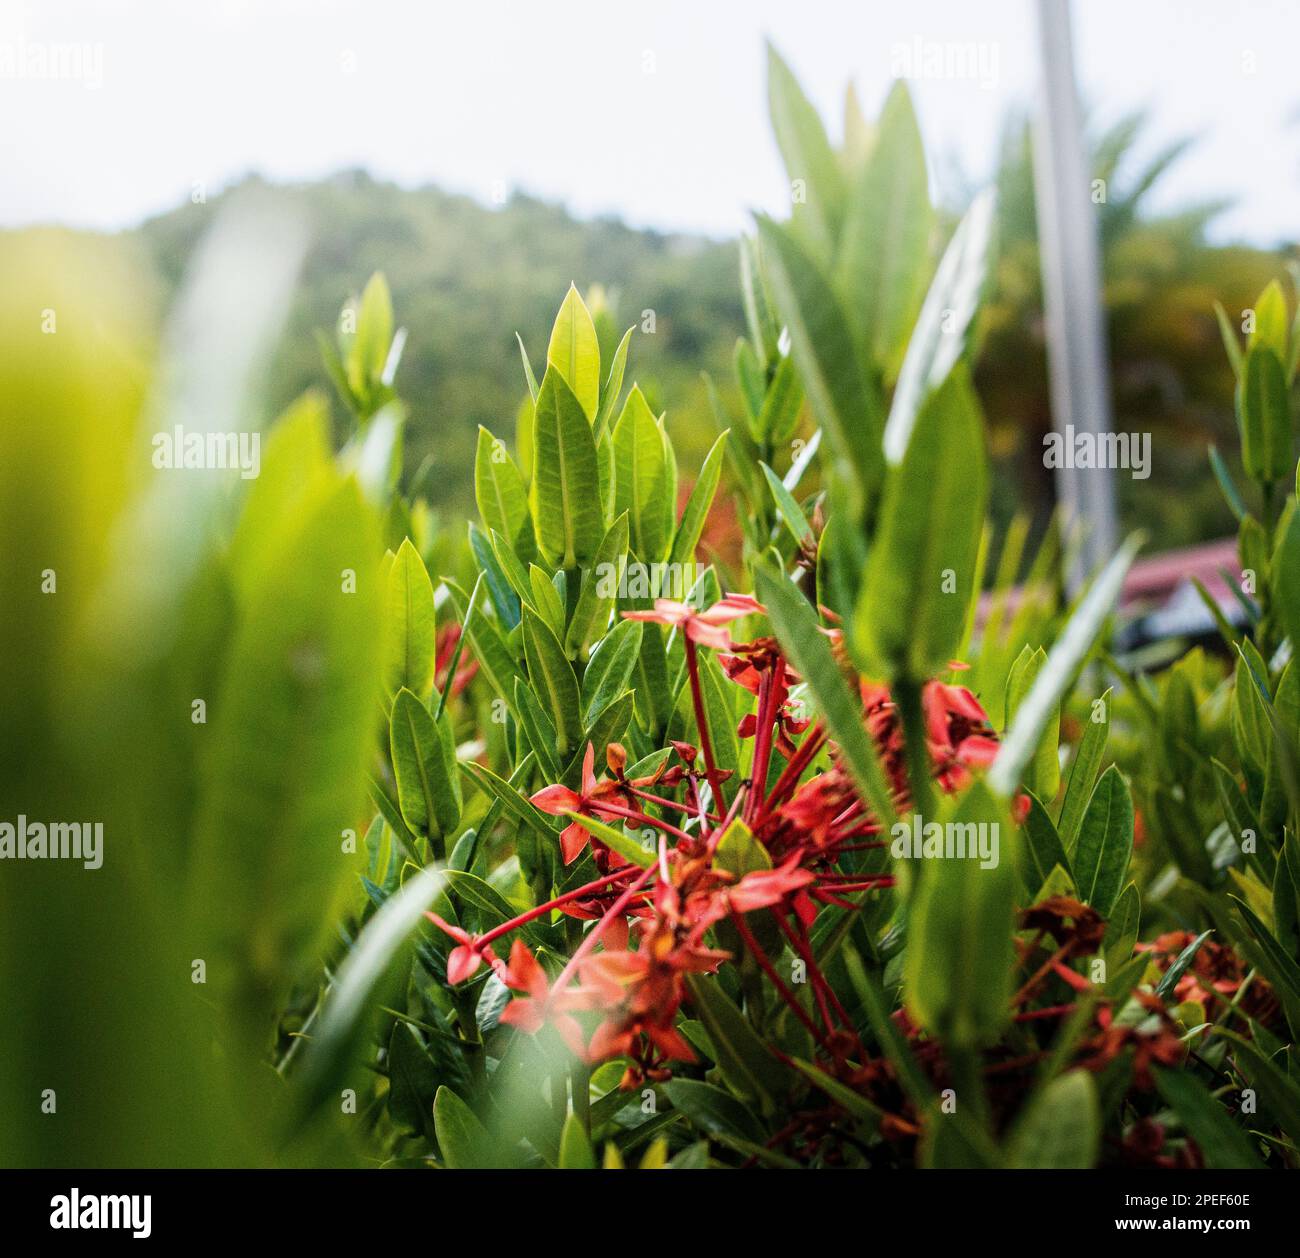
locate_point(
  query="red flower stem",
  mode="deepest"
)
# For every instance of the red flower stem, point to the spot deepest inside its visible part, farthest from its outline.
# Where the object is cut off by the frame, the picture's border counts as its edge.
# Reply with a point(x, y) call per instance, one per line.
point(664, 803)
point(756, 950)
point(721, 828)
point(762, 745)
point(800, 942)
point(617, 811)
point(593, 936)
point(1050, 1012)
point(792, 772)
point(702, 723)
point(524, 918)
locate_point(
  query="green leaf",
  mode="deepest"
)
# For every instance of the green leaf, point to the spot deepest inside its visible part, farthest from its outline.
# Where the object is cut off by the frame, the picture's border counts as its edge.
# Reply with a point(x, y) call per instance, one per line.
point(1064, 659)
point(599, 589)
point(424, 763)
point(845, 1097)
point(496, 660)
point(528, 374)
point(1231, 345)
point(958, 965)
point(1060, 1128)
point(286, 749)
point(713, 1111)
point(610, 667)
point(1279, 1091)
point(553, 680)
point(642, 479)
point(539, 729)
point(575, 1148)
point(809, 158)
point(412, 627)
point(687, 537)
point(881, 266)
point(613, 384)
point(739, 852)
point(790, 510)
point(1105, 843)
point(1122, 928)
point(544, 600)
point(1227, 486)
point(1270, 321)
point(616, 839)
point(1223, 1144)
point(374, 335)
point(518, 807)
point(1273, 961)
point(463, 1140)
point(776, 419)
point(1165, 988)
point(795, 624)
point(412, 1080)
point(566, 503)
point(1286, 578)
point(1264, 409)
point(574, 352)
point(372, 959)
point(920, 580)
point(1043, 774)
point(501, 496)
point(842, 398)
point(744, 1061)
point(1042, 849)
point(607, 725)
point(943, 326)
point(1083, 772)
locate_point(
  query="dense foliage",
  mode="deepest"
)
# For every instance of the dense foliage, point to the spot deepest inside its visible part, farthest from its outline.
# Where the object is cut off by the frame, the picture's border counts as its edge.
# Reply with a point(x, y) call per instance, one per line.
point(553, 844)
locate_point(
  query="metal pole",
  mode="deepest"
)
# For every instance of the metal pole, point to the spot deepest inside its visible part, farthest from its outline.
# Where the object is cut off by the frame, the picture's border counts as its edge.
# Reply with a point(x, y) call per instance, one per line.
point(1070, 258)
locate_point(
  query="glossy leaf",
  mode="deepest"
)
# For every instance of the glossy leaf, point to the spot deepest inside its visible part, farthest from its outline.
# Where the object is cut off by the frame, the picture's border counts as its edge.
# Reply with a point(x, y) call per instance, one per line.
point(920, 578)
point(566, 503)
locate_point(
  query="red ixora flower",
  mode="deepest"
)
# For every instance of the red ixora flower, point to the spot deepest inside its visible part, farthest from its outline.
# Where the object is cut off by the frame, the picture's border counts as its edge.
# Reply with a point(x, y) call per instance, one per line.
point(959, 736)
point(464, 960)
point(524, 973)
point(615, 798)
point(703, 627)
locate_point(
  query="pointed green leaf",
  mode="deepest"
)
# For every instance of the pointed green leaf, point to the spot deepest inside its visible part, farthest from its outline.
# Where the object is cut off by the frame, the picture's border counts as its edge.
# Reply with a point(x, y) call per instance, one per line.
point(881, 266)
point(599, 589)
point(1083, 772)
point(411, 624)
point(920, 578)
point(943, 326)
point(574, 352)
point(809, 159)
point(842, 398)
point(1063, 661)
point(566, 501)
point(501, 497)
point(424, 763)
point(687, 537)
point(1264, 409)
point(642, 480)
point(553, 681)
point(1105, 843)
point(958, 966)
point(1060, 1128)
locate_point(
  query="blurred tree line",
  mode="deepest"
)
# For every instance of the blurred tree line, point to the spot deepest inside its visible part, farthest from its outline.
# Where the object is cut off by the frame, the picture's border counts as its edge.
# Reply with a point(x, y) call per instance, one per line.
point(465, 277)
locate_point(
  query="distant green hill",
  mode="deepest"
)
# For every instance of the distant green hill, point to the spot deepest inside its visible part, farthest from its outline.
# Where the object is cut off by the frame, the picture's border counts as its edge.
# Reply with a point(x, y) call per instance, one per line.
point(464, 279)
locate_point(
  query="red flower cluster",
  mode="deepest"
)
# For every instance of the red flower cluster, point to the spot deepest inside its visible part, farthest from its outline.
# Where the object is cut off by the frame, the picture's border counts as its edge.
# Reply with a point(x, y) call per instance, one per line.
point(654, 923)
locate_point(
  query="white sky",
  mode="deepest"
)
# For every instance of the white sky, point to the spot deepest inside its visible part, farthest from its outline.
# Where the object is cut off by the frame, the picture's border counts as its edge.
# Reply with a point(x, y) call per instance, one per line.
point(653, 110)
